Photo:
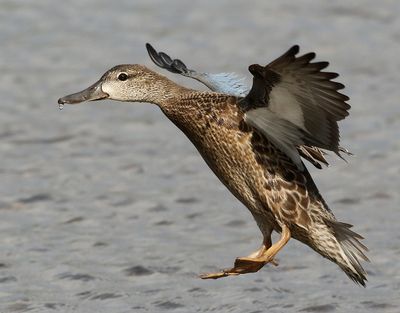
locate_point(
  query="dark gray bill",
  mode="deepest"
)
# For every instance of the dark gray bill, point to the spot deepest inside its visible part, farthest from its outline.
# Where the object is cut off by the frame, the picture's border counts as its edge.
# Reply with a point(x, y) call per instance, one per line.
point(91, 93)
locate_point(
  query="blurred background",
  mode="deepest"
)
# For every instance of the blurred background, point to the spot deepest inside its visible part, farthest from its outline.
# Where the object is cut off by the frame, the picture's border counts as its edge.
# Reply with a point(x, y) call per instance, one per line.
point(107, 207)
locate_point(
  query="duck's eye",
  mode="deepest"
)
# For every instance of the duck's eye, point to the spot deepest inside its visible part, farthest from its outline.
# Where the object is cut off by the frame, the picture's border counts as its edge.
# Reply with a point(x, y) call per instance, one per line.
point(122, 76)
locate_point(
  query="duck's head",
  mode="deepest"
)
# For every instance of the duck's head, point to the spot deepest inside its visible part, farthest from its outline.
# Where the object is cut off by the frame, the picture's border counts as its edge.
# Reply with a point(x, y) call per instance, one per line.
point(127, 82)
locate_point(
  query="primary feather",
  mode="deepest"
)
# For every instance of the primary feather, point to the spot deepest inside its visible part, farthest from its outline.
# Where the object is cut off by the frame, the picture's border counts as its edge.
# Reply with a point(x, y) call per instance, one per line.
point(298, 92)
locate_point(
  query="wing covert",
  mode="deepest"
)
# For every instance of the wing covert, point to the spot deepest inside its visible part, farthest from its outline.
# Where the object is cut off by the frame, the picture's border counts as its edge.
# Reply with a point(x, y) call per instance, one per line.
point(228, 83)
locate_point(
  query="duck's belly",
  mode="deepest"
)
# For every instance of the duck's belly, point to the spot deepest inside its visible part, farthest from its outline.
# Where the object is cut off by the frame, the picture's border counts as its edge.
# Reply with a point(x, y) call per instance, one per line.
point(231, 157)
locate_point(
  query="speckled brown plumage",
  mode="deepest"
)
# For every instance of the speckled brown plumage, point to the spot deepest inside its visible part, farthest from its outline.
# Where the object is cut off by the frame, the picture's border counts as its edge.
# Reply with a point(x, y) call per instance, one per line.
point(263, 178)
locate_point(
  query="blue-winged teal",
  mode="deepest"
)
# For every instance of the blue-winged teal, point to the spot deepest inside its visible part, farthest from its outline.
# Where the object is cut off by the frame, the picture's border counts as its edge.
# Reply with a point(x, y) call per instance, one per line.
point(253, 140)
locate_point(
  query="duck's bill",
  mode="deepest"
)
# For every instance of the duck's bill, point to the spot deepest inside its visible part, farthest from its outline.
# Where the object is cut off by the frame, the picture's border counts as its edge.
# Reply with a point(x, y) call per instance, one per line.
point(91, 93)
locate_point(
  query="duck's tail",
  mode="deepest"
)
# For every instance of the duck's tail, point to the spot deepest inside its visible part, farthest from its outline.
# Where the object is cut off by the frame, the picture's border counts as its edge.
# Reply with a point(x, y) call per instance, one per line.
point(343, 246)
point(352, 251)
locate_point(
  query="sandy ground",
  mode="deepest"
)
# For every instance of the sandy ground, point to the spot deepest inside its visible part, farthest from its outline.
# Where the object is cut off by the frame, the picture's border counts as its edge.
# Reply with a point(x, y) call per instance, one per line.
point(106, 206)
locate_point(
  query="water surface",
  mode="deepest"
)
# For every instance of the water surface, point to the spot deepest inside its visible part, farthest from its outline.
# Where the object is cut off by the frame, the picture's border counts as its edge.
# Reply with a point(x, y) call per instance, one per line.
point(106, 207)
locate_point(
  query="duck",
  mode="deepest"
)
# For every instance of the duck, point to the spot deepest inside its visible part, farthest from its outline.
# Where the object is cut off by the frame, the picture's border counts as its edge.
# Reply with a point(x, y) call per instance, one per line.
point(255, 140)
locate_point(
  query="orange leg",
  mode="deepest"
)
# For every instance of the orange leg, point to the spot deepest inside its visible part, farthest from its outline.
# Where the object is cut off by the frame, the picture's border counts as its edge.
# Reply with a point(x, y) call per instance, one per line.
point(255, 261)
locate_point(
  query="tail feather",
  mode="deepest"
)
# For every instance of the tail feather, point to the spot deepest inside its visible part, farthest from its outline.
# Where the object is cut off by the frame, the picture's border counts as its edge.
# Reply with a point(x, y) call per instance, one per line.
point(353, 251)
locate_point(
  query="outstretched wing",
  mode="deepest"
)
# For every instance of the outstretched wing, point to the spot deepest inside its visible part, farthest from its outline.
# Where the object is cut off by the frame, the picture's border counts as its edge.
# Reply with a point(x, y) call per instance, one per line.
point(228, 83)
point(293, 95)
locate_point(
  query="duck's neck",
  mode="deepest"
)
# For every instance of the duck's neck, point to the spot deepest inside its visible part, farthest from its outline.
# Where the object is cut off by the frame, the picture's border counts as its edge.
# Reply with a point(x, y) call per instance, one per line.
point(164, 92)
point(172, 99)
